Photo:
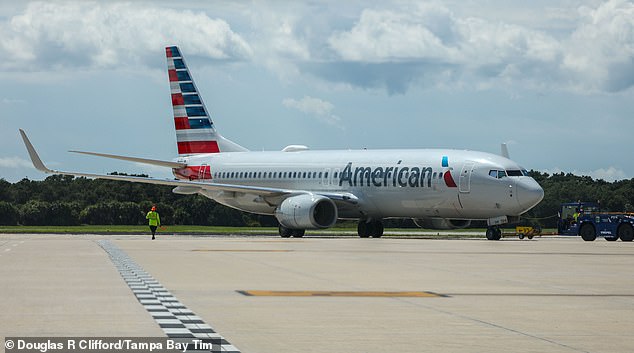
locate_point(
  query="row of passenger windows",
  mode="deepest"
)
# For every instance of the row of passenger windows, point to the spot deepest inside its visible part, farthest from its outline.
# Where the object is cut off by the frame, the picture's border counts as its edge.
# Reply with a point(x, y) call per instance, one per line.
point(499, 174)
point(273, 175)
point(290, 175)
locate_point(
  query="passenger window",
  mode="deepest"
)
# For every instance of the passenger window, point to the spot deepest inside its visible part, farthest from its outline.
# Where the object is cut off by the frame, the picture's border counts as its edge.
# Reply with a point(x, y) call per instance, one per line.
point(336, 174)
point(440, 175)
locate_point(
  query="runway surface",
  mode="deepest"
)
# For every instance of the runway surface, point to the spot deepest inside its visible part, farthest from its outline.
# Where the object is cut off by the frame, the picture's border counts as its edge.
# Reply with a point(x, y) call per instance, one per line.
point(267, 294)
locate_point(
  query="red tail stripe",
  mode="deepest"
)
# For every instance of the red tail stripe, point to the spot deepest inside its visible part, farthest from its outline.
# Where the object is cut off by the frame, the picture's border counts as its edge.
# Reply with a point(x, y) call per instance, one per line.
point(190, 147)
point(168, 52)
point(173, 76)
point(177, 99)
point(181, 123)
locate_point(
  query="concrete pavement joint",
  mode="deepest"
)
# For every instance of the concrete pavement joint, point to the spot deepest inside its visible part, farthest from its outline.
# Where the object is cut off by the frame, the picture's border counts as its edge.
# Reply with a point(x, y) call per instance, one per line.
point(171, 315)
point(491, 324)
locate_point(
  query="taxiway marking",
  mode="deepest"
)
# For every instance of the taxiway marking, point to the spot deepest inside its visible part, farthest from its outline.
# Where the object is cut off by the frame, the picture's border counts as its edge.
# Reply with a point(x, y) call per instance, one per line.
point(272, 293)
point(170, 314)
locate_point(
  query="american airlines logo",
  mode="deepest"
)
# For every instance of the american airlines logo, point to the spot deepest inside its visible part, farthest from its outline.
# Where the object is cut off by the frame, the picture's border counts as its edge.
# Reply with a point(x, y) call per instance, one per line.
point(402, 176)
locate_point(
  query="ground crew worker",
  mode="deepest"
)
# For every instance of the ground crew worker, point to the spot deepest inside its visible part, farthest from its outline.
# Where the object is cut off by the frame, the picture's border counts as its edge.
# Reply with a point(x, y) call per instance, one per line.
point(576, 215)
point(154, 220)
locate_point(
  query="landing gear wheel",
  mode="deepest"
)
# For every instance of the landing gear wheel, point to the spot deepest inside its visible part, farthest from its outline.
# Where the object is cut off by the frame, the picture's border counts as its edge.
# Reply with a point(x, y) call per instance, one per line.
point(298, 233)
point(587, 232)
point(362, 229)
point(372, 229)
point(626, 232)
point(494, 233)
point(377, 229)
point(285, 232)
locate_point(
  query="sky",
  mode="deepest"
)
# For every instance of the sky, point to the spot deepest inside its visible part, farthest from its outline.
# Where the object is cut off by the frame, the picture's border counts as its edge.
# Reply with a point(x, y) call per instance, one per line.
point(552, 79)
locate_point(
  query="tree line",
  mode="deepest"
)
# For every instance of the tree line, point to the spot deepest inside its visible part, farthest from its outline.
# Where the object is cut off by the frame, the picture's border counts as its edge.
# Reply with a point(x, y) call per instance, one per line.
point(66, 200)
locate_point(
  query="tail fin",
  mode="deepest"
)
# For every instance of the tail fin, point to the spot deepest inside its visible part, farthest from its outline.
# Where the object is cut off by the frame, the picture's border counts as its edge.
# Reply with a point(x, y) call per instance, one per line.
point(195, 132)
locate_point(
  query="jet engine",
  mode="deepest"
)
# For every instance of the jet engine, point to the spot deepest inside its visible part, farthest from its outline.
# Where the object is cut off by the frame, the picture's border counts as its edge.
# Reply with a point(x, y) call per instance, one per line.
point(441, 223)
point(307, 211)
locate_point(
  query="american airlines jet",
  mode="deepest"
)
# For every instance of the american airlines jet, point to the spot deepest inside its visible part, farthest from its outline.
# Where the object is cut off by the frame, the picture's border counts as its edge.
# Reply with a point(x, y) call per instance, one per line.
point(305, 189)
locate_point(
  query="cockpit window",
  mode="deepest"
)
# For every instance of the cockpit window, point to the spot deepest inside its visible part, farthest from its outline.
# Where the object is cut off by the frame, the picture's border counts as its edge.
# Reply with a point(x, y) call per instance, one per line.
point(498, 174)
point(513, 173)
point(525, 172)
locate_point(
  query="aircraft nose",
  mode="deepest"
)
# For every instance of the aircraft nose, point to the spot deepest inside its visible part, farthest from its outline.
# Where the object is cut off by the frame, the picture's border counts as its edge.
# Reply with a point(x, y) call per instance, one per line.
point(530, 193)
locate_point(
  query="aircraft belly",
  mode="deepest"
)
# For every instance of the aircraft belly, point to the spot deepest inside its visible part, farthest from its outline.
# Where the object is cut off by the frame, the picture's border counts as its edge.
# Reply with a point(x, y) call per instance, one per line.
point(415, 204)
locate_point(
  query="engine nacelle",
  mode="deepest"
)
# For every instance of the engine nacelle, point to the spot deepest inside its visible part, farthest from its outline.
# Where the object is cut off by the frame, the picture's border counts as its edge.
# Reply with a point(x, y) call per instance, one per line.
point(307, 211)
point(441, 223)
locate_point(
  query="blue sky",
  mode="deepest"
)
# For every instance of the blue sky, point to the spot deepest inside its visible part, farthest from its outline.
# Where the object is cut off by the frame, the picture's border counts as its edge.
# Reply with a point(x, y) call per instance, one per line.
point(553, 79)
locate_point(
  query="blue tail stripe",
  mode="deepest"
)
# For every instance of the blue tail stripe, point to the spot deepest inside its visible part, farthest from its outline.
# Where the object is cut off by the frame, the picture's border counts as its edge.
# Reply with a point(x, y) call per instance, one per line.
point(191, 99)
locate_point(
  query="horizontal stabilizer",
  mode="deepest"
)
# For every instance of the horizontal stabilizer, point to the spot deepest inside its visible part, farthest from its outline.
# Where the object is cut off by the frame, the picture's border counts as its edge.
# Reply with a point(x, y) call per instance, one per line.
point(168, 164)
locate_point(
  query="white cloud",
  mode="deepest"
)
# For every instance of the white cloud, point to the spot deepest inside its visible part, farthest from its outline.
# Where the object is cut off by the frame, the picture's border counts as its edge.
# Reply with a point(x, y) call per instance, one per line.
point(320, 109)
point(609, 174)
point(432, 43)
point(14, 163)
point(74, 35)
point(600, 52)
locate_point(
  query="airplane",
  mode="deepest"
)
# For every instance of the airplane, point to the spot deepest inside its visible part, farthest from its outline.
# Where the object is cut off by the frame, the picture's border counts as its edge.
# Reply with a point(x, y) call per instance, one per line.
point(312, 189)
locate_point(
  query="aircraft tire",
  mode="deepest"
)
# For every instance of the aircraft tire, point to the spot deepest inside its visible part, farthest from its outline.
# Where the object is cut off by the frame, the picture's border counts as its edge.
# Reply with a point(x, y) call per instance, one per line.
point(377, 229)
point(494, 233)
point(587, 232)
point(285, 232)
point(363, 229)
point(625, 232)
point(298, 233)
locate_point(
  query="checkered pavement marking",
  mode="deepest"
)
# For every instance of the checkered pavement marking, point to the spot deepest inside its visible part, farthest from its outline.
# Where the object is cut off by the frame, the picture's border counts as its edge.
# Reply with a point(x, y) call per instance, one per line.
point(170, 314)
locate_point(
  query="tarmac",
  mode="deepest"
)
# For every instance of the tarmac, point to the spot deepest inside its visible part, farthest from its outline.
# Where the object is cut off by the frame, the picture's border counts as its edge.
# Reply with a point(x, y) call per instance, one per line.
point(328, 294)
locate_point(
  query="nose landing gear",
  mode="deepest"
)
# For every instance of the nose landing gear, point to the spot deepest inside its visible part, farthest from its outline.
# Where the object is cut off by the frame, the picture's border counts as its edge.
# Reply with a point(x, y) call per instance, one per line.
point(494, 233)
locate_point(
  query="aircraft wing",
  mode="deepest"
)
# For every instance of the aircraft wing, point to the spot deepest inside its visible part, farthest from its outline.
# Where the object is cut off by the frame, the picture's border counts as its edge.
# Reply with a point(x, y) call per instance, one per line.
point(192, 185)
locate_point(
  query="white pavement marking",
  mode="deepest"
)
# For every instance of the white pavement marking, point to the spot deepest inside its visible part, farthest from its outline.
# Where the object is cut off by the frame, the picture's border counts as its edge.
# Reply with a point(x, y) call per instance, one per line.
point(170, 314)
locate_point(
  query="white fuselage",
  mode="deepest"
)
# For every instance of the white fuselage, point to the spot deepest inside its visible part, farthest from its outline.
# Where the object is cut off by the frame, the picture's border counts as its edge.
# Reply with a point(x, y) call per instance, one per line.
point(387, 183)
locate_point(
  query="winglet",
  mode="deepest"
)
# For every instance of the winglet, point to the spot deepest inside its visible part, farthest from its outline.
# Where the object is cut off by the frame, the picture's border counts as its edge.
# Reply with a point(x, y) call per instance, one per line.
point(37, 162)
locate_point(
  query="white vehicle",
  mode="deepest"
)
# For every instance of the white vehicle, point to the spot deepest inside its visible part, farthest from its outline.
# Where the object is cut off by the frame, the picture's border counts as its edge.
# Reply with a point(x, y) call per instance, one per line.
point(304, 189)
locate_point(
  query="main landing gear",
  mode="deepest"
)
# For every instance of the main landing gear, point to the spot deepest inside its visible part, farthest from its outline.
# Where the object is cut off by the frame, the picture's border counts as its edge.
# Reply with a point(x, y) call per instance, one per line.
point(494, 233)
point(367, 229)
point(288, 232)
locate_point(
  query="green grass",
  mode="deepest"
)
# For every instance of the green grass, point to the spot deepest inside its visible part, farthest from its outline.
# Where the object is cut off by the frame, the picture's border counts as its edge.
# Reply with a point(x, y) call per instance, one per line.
point(99, 229)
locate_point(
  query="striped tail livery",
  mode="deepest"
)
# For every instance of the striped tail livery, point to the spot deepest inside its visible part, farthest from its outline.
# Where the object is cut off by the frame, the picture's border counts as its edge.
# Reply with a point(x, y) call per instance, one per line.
point(195, 132)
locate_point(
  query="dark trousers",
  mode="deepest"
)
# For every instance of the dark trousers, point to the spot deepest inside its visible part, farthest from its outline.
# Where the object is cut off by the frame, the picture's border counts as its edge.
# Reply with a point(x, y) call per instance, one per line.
point(153, 229)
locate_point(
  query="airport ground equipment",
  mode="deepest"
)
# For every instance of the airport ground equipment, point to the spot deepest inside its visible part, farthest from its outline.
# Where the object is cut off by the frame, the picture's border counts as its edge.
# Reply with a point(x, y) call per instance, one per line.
point(586, 219)
point(524, 232)
point(528, 232)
